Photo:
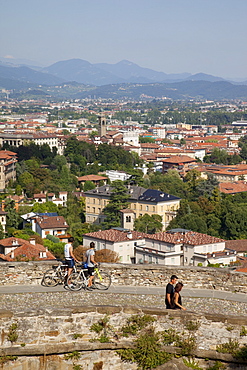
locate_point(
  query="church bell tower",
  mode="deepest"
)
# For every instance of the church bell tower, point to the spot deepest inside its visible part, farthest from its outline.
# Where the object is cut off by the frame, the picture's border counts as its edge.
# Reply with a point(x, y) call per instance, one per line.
point(102, 125)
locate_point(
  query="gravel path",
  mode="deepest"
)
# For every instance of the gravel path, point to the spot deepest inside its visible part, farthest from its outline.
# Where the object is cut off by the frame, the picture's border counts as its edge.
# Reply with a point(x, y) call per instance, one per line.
point(21, 302)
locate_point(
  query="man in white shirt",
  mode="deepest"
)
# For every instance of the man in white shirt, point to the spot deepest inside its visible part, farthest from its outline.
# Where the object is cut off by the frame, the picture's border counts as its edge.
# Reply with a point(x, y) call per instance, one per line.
point(69, 257)
point(91, 263)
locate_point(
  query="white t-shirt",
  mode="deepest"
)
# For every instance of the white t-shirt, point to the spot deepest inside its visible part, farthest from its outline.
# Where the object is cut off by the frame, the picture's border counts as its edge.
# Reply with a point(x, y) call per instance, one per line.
point(67, 251)
point(90, 252)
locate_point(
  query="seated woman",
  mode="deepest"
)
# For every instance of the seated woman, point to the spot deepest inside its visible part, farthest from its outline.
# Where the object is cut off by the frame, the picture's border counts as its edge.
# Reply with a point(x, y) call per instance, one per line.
point(176, 299)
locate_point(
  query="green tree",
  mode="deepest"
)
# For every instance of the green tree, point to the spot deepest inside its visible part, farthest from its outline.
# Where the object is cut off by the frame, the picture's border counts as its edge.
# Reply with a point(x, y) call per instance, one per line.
point(118, 200)
point(89, 185)
point(148, 224)
point(146, 139)
point(57, 249)
point(12, 218)
point(45, 207)
point(190, 222)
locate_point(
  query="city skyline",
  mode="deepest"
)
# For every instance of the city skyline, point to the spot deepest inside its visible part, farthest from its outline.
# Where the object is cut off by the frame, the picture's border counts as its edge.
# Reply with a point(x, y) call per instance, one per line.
point(173, 37)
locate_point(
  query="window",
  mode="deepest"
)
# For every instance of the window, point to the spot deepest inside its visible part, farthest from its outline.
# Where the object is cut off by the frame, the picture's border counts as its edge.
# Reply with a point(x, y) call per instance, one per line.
point(173, 261)
point(153, 208)
point(128, 218)
point(147, 208)
point(140, 207)
point(120, 258)
point(128, 257)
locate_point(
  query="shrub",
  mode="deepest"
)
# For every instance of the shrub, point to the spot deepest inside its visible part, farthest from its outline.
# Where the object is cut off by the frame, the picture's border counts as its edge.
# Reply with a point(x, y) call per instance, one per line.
point(169, 336)
point(12, 334)
point(192, 364)
point(241, 353)
point(187, 345)
point(146, 352)
point(192, 325)
point(231, 347)
point(243, 332)
point(135, 323)
point(72, 356)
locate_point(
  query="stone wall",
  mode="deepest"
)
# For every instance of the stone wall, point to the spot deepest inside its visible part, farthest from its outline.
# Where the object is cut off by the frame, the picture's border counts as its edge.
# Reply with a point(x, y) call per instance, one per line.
point(140, 275)
point(44, 338)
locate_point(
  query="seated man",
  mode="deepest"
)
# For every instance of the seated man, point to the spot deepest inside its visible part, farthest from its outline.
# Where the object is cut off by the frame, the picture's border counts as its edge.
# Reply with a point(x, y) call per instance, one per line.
point(170, 291)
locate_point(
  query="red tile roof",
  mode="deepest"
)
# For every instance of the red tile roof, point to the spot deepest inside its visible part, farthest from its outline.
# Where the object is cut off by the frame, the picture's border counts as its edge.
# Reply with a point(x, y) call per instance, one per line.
point(24, 250)
point(113, 235)
point(237, 245)
point(52, 222)
point(9, 242)
point(91, 178)
point(189, 237)
point(179, 159)
point(233, 187)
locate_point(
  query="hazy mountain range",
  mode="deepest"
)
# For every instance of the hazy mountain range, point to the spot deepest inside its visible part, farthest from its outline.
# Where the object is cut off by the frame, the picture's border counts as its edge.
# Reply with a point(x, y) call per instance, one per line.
point(16, 75)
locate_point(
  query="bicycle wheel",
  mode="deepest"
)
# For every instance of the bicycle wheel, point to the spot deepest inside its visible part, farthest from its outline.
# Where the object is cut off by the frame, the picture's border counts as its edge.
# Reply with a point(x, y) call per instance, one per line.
point(102, 280)
point(76, 281)
point(50, 278)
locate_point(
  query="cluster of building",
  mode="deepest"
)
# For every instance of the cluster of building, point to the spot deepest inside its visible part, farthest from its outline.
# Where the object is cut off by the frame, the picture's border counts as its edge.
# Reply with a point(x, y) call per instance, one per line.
point(168, 151)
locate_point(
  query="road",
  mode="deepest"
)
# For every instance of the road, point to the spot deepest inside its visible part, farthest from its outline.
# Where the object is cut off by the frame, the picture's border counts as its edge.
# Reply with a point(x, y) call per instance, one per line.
point(193, 293)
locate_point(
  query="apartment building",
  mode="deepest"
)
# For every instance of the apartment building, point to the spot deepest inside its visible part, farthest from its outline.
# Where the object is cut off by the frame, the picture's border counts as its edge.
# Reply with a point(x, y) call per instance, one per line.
point(18, 138)
point(181, 163)
point(141, 201)
point(7, 168)
point(177, 247)
point(222, 173)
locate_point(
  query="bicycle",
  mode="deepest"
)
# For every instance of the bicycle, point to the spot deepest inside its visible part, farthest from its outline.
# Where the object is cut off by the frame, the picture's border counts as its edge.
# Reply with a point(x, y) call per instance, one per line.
point(79, 280)
point(56, 275)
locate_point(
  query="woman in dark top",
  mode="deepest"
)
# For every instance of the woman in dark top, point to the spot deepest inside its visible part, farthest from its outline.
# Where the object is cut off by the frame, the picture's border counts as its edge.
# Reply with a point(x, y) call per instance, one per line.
point(176, 299)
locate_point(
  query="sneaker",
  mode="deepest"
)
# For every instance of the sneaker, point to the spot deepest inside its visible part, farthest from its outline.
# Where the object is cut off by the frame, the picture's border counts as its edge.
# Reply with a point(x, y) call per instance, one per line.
point(89, 288)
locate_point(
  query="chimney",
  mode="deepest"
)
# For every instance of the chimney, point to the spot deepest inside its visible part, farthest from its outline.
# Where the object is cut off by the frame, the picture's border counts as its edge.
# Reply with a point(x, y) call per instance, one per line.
point(32, 241)
point(12, 255)
point(129, 235)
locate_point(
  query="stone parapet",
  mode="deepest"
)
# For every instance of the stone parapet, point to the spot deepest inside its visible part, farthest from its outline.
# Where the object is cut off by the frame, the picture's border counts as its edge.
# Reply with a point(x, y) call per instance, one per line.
point(30, 273)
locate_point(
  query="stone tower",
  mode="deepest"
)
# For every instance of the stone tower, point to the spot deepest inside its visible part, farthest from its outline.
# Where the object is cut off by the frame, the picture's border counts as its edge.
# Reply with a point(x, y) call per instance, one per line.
point(102, 125)
point(127, 218)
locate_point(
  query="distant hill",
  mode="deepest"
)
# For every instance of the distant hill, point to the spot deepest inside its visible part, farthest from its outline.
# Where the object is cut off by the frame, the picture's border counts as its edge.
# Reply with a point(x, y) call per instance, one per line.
point(82, 71)
point(27, 75)
point(132, 72)
point(185, 90)
point(77, 78)
point(204, 77)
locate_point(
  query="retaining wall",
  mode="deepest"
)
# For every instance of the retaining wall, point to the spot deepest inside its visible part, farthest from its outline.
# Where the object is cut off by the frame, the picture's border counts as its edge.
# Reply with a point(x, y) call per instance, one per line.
point(44, 337)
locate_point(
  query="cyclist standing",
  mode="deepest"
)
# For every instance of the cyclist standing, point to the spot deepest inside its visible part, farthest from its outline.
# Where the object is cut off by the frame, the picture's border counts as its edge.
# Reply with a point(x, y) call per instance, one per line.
point(91, 263)
point(69, 257)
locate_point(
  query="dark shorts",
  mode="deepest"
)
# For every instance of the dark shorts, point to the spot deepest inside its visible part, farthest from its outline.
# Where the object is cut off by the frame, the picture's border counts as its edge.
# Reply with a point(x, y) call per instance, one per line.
point(90, 271)
point(70, 263)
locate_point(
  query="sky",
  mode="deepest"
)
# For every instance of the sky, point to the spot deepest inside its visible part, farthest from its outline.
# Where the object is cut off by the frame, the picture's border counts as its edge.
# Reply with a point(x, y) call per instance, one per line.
point(173, 36)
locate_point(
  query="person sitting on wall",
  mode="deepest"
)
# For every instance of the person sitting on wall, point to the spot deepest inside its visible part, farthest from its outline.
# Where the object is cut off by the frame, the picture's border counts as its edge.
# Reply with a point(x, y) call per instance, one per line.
point(170, 291)
point(176, 301)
